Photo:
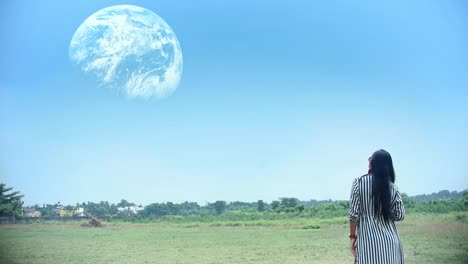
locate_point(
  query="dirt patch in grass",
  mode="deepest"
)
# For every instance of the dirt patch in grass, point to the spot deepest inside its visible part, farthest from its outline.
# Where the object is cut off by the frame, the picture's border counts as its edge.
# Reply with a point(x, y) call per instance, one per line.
point(92, 223)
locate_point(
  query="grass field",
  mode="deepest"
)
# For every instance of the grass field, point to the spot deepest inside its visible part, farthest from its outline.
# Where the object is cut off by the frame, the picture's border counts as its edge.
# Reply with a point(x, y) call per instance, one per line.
point(426, 239)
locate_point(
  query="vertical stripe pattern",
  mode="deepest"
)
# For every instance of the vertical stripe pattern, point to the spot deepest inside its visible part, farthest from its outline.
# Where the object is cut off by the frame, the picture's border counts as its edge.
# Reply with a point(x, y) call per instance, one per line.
point(378, 241)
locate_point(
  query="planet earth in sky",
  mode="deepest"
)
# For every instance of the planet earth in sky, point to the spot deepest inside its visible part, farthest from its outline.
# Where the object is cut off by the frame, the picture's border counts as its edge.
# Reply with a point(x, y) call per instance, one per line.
point(129, 49)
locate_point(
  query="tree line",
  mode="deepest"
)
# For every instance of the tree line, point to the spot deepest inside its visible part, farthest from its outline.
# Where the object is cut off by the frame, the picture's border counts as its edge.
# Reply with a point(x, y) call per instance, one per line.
point(443, 201)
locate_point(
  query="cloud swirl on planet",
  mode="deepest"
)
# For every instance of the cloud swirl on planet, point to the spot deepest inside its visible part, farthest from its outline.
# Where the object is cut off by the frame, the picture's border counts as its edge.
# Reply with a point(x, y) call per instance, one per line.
point(130, 49)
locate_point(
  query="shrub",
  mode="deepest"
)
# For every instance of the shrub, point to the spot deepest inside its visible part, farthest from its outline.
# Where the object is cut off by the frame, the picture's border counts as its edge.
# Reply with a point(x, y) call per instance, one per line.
point(461, 218)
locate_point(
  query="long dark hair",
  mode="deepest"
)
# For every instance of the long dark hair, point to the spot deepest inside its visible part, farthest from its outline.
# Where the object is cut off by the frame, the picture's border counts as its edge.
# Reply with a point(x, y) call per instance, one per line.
point(381, 166)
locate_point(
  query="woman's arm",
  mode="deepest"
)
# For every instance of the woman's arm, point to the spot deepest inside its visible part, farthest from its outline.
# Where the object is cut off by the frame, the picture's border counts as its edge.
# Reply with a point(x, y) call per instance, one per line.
point(352, 236)
point(354, 211)
point(398, 209)
point(352, 229)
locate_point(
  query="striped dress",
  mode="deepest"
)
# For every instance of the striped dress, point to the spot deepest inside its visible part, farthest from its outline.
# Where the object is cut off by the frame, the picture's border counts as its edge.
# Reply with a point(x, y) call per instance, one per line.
point(377, 241)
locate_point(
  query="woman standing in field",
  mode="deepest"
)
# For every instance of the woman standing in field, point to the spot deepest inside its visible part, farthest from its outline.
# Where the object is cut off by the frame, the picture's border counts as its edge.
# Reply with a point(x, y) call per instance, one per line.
point(374, 206)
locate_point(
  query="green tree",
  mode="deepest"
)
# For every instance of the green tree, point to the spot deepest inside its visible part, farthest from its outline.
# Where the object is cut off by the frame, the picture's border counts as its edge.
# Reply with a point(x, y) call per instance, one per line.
point(124, 204)
point(407, 201)
point(47, 210)
point(100, 210)
point(69, 207)
point(343, 204)
point(260, 206)
point(157, 209)
point(464, 200)
point(289, 202)
point(300, 208)
point(188, 208)
point(173, 209)
point(219, 206)
point(275, 205)
point(10, 201)
point(113, 210)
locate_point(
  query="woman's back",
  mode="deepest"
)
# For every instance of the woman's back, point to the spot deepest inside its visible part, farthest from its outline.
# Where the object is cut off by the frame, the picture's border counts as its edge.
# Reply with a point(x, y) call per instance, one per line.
point(363, 188)
point(374, 206)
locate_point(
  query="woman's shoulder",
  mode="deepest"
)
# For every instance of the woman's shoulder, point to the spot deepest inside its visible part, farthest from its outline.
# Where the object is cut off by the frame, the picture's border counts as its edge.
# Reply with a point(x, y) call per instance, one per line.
point(364, 177)
point(357, 181)
point(393, 186)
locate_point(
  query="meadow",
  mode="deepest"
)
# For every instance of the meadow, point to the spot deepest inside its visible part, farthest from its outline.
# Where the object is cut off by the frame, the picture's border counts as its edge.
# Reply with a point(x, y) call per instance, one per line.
point(427, 238)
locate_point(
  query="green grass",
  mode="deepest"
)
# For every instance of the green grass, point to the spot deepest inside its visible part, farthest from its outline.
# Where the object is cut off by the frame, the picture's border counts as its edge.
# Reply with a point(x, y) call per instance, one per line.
point(426, 239)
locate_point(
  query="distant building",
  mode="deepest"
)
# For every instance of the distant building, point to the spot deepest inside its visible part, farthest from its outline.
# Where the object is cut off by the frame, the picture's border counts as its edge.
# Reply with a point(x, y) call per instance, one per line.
point(80, 211)
point(31, 212)
point(74, 212)
point(58, 208)
point(131, 210)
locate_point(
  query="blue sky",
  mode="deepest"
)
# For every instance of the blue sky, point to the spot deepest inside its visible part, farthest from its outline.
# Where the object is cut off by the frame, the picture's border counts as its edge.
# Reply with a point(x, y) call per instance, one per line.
point(277, 98)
